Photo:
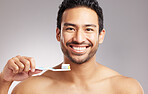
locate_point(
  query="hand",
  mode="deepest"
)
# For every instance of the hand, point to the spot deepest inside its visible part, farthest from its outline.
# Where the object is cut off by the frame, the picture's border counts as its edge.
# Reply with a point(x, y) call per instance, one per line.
point(19, 68)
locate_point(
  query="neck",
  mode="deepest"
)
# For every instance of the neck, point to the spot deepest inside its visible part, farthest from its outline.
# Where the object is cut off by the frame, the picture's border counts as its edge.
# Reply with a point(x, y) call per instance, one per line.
point(81, 72)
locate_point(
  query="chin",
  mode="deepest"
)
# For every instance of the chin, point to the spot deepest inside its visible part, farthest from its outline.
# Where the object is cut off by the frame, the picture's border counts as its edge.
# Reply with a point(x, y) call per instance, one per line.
point(79, 59)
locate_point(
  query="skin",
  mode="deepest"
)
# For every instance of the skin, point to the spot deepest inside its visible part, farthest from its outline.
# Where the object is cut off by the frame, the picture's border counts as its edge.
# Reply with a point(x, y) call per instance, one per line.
point(16, 69)
point(86, 75)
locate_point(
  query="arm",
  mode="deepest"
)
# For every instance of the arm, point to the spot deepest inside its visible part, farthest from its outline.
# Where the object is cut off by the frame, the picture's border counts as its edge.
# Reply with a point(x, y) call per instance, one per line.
point(135, 88)
point(130, 86)
point(4, 85)
point(16, 69)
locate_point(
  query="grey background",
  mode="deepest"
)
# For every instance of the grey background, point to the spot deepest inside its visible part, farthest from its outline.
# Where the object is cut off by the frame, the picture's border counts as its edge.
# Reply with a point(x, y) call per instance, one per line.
point(27, 27)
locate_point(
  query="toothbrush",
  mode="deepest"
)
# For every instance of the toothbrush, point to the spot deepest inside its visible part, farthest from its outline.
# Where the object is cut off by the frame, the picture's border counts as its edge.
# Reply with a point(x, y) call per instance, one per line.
point(65, 67)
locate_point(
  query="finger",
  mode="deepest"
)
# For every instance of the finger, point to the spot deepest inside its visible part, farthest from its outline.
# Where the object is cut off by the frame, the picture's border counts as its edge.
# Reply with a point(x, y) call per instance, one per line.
point(19, 64)
point(12, 66)
point(35, 72)
point(25, 62)
point(32, 63)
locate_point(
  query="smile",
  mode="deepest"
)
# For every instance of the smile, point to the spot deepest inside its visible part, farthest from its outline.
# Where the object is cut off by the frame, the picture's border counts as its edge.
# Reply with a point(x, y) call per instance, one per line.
point(77, 49)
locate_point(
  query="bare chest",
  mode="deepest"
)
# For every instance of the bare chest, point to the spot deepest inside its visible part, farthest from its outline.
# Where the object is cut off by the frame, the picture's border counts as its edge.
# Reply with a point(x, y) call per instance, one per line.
point(68, 89)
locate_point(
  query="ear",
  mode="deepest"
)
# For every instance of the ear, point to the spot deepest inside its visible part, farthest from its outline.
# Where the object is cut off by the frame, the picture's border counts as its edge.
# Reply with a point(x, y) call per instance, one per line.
point(101, 36)
point(58, 34)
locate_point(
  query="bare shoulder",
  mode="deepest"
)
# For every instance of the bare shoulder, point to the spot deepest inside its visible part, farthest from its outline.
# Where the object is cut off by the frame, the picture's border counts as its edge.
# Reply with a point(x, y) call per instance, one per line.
point(122, 84)
point(126, 85)
point(34, 85)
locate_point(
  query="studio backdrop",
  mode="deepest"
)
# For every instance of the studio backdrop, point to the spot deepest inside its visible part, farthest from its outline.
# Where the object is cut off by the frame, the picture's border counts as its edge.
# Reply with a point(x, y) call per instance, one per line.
point(28, 28)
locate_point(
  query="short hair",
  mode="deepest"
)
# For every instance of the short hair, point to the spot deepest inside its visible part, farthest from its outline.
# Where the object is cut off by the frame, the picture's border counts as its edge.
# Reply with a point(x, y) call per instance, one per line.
point(92, 4)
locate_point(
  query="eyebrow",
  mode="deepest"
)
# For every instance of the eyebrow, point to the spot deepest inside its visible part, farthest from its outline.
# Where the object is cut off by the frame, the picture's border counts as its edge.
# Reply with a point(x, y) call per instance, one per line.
point(87, 25)
point(69, 24)
point(90, 25)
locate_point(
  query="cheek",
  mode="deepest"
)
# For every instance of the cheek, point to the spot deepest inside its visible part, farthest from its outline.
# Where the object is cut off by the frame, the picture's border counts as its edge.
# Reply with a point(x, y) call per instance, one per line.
point(66, 37)
point(93, 38)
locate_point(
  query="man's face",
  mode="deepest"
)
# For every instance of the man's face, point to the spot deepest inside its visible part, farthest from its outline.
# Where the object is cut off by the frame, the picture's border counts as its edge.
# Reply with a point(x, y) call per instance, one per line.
point(79, 34)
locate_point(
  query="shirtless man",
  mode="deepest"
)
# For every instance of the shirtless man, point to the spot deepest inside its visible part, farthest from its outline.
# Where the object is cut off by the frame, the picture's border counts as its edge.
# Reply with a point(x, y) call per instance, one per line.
point(79, 31)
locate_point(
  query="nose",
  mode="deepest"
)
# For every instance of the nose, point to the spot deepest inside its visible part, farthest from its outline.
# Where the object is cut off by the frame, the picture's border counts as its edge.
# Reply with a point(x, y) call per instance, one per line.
point(79, 36)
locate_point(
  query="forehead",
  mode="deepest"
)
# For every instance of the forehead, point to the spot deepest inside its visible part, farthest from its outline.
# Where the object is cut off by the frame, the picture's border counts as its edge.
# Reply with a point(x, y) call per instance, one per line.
point(80, 16)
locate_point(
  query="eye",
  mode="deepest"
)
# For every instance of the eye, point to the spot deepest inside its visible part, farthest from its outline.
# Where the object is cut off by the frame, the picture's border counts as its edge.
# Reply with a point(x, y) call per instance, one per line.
point(70, 29)
point(89, 29)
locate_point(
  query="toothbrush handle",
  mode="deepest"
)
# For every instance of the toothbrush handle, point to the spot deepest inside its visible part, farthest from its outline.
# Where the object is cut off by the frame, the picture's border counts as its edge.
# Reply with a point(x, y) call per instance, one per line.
point(44, 68)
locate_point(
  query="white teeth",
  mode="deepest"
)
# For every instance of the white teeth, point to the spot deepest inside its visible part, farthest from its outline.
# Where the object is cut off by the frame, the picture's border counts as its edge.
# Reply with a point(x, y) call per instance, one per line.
point(79, 48)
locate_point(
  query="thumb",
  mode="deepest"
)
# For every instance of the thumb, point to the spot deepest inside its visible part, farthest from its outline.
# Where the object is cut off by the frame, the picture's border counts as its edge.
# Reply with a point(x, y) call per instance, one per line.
point(35, 72)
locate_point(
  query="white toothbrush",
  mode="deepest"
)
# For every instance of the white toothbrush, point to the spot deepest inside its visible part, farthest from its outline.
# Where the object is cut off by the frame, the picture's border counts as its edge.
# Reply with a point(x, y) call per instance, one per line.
point(65, 67)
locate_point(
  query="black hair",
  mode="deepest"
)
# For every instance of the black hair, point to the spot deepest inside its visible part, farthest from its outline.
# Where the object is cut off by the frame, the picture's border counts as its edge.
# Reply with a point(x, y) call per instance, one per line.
point(92, 4)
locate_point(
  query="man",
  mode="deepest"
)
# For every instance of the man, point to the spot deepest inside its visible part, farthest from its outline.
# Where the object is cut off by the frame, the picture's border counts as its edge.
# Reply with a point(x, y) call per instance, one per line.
point(79, 31)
